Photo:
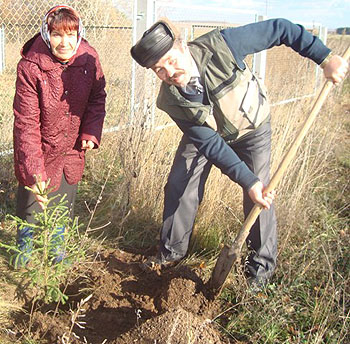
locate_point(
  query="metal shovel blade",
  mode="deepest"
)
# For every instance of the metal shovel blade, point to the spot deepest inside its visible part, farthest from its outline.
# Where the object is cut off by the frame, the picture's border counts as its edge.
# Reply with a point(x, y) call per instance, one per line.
point(222, 268)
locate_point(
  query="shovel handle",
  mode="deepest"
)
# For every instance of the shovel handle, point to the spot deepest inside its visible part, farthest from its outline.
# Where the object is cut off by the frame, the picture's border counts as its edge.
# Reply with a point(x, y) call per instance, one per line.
point(254, 213)
point(303, 131)
point(230, 254)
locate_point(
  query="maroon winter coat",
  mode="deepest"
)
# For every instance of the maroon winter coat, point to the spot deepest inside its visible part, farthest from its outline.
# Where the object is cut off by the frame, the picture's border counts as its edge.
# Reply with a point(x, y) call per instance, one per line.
point(56, 106)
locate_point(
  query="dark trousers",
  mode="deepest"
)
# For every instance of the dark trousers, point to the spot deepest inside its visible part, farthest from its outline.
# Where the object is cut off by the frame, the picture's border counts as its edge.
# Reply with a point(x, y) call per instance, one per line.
point(184, 192)
point(27, 204)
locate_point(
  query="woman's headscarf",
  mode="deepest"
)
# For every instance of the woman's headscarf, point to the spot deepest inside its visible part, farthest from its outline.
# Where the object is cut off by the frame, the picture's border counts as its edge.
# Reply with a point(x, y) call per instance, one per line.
point(44, 30)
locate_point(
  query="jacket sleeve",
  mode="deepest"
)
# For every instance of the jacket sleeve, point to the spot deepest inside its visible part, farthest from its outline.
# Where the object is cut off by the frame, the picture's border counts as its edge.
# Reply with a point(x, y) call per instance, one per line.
point(255, 37)
point(217, 151)
point(28, 154)
point(92, 124)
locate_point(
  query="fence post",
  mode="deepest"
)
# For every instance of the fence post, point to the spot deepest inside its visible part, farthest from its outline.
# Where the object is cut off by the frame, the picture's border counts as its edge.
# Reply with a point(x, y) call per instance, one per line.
point(322, 35)
point(2, 48)
point(143, 18)
point(259, 59)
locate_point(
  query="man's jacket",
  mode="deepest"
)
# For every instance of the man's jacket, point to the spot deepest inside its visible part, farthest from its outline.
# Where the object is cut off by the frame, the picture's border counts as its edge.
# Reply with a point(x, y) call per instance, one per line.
point(237, 101)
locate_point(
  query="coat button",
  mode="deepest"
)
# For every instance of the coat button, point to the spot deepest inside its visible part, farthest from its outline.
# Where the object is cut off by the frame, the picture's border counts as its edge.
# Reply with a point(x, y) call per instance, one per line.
point(67, 113)
point(66, 92)
point(65, 134)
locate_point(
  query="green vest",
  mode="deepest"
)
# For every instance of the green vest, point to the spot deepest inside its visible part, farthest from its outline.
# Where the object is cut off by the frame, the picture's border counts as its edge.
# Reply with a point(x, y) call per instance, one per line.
point(238, 101)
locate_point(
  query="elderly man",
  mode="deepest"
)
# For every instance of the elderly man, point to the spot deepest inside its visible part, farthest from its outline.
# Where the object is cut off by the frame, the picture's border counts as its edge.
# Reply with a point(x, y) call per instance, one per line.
point(222, 109)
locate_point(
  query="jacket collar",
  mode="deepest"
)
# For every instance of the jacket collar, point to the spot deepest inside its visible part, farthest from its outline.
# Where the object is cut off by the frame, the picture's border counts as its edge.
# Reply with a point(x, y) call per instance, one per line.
point(201, 57)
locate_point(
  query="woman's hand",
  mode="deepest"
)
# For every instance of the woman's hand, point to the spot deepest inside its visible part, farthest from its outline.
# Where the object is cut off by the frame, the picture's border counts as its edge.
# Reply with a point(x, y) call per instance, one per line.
point(38, 189)
point(259, 196)
point(87, 145)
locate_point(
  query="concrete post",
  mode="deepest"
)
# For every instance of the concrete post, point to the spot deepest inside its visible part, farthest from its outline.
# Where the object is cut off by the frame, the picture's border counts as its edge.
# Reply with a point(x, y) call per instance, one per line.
point(145, 16)
point(142, 88)
point(259, 59)
point(2, 48)
point(322, 35)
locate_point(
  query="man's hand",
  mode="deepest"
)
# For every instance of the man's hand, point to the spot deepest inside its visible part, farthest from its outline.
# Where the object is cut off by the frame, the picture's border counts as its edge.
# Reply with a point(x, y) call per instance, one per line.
point(38, 189)
point(259, 196)
point(88, 145)
point(335, 69)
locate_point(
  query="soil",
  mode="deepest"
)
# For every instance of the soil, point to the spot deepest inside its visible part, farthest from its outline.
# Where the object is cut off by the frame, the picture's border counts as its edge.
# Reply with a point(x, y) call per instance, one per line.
point(129, 305)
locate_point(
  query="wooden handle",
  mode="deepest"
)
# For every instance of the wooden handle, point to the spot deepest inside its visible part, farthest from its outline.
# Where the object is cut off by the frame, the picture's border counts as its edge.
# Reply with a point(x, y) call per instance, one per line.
point(228, 255)
point(254, 213)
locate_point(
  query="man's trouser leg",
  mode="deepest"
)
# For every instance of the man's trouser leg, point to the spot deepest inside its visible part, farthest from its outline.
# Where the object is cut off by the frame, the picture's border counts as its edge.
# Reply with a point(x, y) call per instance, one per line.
point(182, 195)
point(255, 151)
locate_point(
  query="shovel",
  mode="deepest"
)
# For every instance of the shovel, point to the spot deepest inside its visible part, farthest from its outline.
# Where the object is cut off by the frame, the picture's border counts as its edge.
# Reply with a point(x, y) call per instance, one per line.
point(229, 255)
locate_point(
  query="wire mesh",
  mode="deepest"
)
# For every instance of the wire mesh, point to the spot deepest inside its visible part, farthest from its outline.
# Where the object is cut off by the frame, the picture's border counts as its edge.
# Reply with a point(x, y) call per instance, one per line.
point(109, 28)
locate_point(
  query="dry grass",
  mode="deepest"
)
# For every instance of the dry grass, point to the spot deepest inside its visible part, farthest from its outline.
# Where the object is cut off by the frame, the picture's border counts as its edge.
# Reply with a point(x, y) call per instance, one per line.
point(311, 300)
point(140, 159)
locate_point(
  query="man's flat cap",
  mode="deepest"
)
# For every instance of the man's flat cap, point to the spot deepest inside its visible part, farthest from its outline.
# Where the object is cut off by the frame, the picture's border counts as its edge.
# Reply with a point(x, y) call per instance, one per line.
point(153, 45)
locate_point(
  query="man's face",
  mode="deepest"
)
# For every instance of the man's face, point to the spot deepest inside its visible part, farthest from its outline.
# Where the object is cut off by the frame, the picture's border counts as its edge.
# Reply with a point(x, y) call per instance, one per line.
point(175, 66)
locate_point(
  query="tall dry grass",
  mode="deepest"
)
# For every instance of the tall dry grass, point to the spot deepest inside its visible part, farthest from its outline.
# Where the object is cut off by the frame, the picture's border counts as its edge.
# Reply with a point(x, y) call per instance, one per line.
point(308, 302)
point(140, 159)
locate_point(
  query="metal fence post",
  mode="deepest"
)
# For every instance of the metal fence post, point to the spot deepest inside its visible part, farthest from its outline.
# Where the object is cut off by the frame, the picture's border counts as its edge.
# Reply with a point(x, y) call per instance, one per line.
point(2, 48)
point(259, 59)
point(143, 14)
point(322, 35)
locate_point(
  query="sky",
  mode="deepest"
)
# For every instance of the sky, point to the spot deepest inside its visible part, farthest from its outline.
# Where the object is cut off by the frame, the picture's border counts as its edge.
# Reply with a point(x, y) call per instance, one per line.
point(330, 13)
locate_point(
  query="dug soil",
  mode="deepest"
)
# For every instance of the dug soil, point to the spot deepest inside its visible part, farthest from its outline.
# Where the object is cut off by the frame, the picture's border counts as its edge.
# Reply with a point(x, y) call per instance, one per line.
point(128, 305)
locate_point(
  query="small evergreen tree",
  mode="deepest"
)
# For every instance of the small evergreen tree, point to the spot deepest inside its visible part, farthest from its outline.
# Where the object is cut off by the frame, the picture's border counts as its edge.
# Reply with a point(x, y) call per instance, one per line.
point(52, 251)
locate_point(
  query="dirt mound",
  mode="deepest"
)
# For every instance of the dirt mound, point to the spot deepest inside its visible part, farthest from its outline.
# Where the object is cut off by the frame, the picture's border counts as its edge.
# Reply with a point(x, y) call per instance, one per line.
point(173, 327)
point(128, 305)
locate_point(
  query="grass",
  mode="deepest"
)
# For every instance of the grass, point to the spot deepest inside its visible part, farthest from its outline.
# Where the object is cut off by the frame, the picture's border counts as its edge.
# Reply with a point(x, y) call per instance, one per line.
point(308, 299)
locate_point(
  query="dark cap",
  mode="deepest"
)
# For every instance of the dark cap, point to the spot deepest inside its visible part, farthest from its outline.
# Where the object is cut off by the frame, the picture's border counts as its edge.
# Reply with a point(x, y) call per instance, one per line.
point(153, 45)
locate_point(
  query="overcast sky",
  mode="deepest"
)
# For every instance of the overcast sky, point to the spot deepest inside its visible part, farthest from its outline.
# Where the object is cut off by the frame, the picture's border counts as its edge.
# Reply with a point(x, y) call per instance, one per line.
point(330, 13)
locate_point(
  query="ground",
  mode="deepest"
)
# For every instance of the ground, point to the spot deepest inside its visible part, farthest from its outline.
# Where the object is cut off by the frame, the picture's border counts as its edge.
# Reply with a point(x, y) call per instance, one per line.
point(128, 305)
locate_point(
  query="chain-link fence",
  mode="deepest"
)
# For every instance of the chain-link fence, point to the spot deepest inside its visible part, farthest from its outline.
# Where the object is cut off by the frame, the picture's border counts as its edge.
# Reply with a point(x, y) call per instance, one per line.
point(283, 69)
point(108, 28)
point(111, 28)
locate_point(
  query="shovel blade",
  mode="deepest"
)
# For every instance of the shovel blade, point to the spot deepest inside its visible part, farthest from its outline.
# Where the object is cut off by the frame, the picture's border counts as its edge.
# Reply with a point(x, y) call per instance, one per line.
point(222, 268)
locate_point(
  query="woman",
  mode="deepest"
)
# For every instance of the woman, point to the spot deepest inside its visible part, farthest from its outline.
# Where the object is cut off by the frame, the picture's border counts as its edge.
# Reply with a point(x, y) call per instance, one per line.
point(59, 108)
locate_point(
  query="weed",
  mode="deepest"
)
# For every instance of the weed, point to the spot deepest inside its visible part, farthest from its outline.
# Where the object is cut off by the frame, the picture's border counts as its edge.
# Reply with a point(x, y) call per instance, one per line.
point(77, 317)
